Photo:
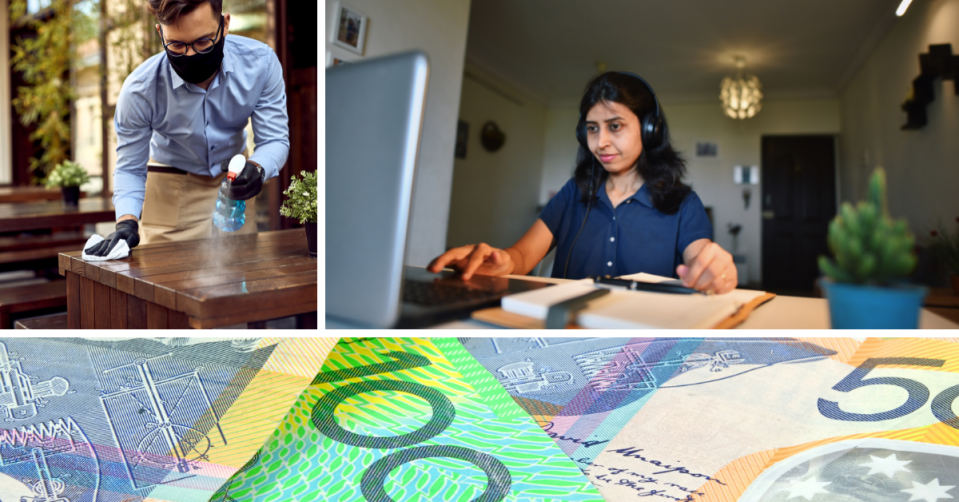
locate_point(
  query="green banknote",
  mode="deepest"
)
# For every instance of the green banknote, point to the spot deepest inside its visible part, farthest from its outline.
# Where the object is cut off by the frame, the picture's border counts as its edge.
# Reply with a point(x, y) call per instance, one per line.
point(403, 419)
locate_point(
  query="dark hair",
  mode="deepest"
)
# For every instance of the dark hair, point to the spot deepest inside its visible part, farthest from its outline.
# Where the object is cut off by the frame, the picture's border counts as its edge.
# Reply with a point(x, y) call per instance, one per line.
point(168, 11)
point(662, 168)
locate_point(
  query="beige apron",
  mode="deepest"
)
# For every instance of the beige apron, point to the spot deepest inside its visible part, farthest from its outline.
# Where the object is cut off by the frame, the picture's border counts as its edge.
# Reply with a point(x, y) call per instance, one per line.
point(179, 207)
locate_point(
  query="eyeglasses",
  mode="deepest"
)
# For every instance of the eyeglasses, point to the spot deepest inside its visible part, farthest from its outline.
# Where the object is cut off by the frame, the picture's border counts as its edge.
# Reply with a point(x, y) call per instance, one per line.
point(200, 46)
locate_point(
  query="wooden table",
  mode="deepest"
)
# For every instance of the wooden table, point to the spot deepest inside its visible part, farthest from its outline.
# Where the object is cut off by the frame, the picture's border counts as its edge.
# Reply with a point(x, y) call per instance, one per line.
point(201, 283)
point(17, 216)
point(30, 194)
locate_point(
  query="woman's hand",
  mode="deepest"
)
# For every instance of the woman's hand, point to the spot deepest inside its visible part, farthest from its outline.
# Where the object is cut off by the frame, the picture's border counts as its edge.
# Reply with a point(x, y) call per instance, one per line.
point(709, 268)
point(479, 258)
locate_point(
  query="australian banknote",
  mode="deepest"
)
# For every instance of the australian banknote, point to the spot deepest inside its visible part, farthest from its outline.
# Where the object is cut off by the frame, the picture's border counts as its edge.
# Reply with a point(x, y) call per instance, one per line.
point(823, 419)
point(134, 419)
point(400, 419)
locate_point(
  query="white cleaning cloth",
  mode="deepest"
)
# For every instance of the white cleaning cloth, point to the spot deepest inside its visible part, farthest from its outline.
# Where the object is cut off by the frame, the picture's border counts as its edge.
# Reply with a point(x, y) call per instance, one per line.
point(121, 250)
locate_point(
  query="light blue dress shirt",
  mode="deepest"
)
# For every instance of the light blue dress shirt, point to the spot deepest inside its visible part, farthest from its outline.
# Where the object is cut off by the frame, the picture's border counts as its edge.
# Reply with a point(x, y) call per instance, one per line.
point(177, 123)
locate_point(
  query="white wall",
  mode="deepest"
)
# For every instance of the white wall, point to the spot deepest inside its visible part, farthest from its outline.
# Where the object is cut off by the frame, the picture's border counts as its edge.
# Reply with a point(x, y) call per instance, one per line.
point(739, 144)
point(921, 165)
point(438, 28)
point(495, 193)
point(6, 133)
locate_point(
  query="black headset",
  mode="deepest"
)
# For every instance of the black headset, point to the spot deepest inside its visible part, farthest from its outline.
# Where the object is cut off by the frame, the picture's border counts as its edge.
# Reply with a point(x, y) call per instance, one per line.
point(652, 132)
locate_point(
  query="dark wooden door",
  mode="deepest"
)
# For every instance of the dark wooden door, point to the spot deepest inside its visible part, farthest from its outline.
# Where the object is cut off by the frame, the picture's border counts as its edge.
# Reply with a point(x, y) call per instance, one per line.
point(798, 201)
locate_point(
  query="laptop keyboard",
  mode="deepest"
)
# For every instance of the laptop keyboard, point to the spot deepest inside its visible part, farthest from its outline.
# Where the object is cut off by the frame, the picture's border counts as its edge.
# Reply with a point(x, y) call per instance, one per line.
point(434, 295)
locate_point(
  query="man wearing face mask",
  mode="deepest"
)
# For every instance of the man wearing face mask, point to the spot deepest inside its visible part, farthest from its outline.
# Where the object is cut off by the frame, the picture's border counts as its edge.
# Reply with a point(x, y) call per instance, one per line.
point(179, 120)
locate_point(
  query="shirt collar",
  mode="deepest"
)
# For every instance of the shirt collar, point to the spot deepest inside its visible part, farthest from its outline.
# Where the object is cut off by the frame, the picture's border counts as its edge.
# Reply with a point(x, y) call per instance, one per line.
point(642, 196)
point(226, 65)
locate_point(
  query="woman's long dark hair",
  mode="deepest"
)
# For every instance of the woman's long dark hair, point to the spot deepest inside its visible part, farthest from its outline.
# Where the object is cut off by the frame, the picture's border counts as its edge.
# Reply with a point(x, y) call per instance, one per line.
point(662, 168)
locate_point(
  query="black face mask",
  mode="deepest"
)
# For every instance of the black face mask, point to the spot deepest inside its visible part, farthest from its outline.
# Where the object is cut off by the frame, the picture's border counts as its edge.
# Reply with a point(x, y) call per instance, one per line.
point(198, 67)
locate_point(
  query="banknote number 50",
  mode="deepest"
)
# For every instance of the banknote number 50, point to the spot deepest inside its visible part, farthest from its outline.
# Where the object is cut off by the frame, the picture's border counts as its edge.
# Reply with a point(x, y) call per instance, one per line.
point(918, 393)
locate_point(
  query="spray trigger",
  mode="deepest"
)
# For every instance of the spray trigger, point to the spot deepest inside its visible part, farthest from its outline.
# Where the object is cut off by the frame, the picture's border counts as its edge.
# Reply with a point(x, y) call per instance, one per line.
point(236, 165)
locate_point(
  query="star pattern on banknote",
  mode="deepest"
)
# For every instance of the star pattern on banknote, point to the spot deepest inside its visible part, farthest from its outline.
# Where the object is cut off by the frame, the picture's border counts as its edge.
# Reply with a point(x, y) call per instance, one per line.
point(888, 466)
point(931, 492)
point(807, 488)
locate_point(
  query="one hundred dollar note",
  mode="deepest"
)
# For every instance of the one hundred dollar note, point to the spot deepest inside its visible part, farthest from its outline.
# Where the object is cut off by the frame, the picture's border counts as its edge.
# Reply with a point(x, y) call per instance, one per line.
point(692, 419)
point(407, 420)
point(127, 419)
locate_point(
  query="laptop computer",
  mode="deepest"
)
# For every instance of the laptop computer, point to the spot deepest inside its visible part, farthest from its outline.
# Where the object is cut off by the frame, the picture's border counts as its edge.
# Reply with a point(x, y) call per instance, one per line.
point(374, 118)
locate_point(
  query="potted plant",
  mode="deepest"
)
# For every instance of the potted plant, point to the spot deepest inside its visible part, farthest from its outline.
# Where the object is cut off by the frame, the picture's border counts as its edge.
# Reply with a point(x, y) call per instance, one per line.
point(945, 245)
point(68, 176)
point(873, 254)
point(300, 204)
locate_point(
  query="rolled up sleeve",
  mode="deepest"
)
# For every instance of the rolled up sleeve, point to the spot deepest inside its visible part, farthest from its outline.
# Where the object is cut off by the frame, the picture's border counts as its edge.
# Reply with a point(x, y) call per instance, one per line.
point(132, 122)
point(271, 130)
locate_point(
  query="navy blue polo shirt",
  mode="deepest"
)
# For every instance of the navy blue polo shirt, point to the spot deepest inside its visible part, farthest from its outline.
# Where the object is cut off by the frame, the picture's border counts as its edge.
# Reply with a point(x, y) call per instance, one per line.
point(634, 237)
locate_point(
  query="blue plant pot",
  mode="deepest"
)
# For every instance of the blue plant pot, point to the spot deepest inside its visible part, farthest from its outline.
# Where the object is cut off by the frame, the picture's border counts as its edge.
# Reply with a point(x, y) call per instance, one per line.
point(854, 306)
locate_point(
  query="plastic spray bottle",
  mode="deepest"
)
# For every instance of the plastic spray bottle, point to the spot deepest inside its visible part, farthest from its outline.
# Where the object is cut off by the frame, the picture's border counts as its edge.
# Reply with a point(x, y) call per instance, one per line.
point(230, 215)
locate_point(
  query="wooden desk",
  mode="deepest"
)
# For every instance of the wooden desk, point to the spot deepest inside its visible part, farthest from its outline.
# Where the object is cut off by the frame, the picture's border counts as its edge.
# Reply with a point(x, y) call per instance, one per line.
point(782, 312)
point(194, 284)
point(16, 216)
point(30, 194)
point(941, 297)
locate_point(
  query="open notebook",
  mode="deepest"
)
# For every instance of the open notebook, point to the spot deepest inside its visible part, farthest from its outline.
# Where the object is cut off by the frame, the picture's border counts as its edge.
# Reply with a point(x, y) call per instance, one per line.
point(628, 309)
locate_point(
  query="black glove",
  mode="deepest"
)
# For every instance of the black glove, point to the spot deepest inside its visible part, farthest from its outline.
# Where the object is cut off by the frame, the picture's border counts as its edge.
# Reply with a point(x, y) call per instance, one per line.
point(248, 183)
point(126, 231)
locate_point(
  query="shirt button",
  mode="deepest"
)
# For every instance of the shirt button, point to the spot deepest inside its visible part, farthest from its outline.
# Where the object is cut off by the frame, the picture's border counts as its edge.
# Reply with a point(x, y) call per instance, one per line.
point(614, 217)
point(211, 148)
point(609, 264)
point(612, 239)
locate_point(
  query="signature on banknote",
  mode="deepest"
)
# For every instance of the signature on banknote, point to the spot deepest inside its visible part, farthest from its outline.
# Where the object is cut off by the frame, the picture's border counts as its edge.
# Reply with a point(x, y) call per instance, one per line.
point(644, 485)
point(561, 437)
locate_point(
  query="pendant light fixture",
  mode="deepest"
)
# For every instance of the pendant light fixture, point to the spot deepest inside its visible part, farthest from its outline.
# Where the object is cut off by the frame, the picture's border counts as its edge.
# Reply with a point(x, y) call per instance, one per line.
point(741, 95)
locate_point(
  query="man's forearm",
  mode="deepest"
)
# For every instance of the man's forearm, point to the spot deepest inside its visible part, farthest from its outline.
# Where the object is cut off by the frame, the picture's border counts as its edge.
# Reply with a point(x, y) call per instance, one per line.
point(128, 217)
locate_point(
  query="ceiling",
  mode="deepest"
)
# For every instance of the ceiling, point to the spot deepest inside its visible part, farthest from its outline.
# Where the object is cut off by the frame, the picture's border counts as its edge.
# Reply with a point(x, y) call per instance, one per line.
point(548, 49)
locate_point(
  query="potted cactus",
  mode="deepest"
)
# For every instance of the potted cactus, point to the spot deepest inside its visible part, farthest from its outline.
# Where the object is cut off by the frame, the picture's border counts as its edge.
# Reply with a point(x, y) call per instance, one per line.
point(873, 254)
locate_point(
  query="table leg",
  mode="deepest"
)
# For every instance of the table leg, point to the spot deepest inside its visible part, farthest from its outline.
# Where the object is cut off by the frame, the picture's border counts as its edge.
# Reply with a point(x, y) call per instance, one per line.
point(118, 309)
point(136, 312)
point(102, 317)
point(157, 316)
point(306, 321)
point(73, 300)
point(87, 303)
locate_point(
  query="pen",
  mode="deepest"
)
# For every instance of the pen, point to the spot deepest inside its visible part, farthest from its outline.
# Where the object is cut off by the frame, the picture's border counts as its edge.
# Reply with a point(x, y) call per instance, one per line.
point(655, 287)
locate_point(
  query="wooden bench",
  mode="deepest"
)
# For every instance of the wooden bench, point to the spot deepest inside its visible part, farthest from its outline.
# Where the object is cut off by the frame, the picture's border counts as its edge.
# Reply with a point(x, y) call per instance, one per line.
point(39, 298)
point(55, 321)
point(36, 251)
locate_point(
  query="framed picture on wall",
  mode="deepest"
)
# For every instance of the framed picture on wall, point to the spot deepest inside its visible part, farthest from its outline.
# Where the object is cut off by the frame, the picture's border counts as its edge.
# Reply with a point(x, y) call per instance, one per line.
point(707, 150)
point(349, 28)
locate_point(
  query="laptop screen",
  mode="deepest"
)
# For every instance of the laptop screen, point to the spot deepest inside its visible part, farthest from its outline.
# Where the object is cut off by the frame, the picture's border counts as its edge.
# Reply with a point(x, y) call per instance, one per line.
point(374, 117)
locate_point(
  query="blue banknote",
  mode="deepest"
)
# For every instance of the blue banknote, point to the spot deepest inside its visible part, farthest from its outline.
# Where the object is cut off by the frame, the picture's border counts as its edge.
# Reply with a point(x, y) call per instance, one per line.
point(88, 420)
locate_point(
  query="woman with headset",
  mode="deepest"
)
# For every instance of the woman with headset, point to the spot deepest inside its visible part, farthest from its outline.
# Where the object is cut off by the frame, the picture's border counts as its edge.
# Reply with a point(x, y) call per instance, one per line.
point(626, 209)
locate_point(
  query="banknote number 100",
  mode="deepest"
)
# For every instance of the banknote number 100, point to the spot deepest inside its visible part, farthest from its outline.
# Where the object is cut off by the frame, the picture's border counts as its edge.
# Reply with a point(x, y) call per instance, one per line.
point(918, 393)
point(373, 480)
